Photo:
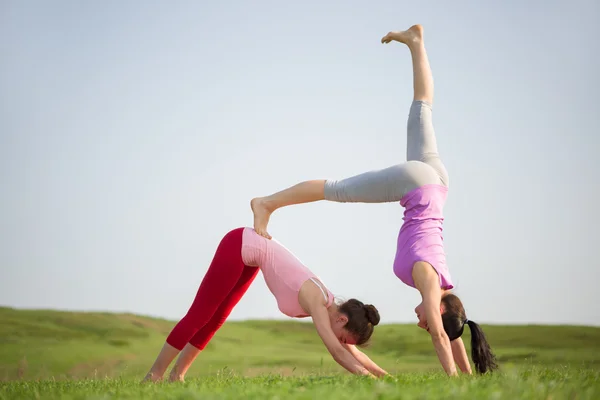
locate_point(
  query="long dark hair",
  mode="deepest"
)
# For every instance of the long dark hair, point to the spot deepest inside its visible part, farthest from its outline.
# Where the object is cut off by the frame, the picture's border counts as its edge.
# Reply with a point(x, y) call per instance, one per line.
point(454, 319)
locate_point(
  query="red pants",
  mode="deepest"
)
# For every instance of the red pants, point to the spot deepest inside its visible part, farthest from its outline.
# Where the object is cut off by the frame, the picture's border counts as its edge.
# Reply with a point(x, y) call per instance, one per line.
point(223, 286)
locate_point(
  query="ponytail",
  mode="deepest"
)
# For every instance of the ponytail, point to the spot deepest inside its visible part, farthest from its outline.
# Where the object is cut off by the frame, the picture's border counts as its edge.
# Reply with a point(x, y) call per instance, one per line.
point(454, 320)
point(483, 358)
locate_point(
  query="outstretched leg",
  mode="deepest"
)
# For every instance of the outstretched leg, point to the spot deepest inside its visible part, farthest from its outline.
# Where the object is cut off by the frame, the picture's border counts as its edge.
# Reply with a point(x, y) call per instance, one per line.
point(263, 207)
point(421, 142)
point(381, 186)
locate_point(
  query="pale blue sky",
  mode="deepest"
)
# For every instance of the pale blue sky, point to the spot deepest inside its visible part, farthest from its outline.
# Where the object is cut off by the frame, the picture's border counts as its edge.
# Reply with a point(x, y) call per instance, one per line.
point(134, 134)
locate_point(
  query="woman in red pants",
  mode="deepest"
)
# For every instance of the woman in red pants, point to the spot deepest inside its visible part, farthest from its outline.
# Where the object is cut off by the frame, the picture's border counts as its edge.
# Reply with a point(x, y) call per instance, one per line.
point(299, 293)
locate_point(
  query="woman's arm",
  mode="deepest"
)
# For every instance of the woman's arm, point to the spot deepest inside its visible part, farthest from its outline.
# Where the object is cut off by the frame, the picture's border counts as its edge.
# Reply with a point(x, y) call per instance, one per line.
point(460, 355)
point(312, 301)
point(428, 282)
point(342, 356)
point(365, 360)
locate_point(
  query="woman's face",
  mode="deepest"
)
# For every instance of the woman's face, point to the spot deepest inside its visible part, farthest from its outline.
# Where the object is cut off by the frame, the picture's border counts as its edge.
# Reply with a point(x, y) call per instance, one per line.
point(420, 311)
point(338, 327)
point(422, 316)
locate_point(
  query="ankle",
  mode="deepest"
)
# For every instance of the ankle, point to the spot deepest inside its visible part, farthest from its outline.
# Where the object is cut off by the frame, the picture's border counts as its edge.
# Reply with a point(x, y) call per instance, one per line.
point(175, 376)
point(152, 377)
point(416, 45)
point(268, 204)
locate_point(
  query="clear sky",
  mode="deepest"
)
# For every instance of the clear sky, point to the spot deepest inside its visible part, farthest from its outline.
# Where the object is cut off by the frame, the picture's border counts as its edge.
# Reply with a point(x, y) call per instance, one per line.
point(134, 134)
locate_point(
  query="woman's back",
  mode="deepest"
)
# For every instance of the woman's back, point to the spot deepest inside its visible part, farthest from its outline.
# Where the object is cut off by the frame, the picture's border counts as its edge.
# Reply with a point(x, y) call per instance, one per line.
point(284, 273)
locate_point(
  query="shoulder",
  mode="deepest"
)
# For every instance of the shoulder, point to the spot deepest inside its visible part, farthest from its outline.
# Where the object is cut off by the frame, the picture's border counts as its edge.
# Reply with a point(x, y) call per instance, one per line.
point(311, 297)
point(425, 276)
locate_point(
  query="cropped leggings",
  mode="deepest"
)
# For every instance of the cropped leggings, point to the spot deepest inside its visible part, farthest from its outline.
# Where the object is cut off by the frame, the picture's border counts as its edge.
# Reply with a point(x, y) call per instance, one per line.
point(423, 167)
point(223, 286)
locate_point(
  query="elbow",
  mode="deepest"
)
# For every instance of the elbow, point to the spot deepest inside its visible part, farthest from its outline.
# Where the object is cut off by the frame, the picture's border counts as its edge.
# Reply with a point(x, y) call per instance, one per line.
point(439, 337)
point(337, 355)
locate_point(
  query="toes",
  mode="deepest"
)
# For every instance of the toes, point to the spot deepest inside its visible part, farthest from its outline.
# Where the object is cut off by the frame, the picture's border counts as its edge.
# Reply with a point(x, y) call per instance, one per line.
point(386, 39)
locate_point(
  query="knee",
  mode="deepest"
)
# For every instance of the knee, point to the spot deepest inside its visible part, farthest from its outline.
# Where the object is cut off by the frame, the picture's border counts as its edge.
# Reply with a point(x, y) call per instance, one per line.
point(192, 320)
point(334, 191)
point(418, 107)
point(418, 104)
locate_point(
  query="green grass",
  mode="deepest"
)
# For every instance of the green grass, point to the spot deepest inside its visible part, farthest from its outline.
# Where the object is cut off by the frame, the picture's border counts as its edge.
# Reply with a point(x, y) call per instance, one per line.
point(528, 384)
point(71, 355)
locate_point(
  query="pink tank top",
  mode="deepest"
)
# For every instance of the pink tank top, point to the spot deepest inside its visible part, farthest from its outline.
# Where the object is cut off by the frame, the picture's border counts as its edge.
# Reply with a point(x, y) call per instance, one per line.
point(283, 272)
point(420, 238)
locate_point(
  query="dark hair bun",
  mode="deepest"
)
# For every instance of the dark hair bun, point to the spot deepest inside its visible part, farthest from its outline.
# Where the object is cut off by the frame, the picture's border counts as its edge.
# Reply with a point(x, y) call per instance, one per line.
point(372, 314)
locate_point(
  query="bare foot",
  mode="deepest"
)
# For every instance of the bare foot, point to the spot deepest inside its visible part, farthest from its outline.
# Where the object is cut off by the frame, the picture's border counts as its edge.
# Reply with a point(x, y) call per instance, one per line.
point(176, 378)
point(150, 377)
point(261, 216)
point(413, 35)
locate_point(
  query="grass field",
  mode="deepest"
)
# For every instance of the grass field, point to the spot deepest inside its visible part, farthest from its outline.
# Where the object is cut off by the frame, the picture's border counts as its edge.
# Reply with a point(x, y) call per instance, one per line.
point(52, 354)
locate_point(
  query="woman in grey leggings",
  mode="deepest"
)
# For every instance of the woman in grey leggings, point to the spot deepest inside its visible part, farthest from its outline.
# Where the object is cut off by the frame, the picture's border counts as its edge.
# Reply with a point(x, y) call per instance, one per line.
point(420, 185)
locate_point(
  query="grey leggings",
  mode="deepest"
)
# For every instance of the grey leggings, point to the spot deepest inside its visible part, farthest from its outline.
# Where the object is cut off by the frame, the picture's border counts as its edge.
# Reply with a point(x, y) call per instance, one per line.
point(423, 167)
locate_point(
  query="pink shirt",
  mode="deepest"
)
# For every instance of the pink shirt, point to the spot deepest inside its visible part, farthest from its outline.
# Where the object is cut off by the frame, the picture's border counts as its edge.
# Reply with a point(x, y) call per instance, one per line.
point(283, 272)
point(420, 238)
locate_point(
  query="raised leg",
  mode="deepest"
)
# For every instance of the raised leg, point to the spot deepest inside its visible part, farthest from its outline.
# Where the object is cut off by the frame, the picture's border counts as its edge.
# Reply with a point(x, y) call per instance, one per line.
point(421, 140)
point(422, 77)
point(386, 185)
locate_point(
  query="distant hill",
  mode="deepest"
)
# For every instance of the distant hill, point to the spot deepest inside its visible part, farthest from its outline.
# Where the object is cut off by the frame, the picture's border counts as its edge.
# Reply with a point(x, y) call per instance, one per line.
point(44, 343)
